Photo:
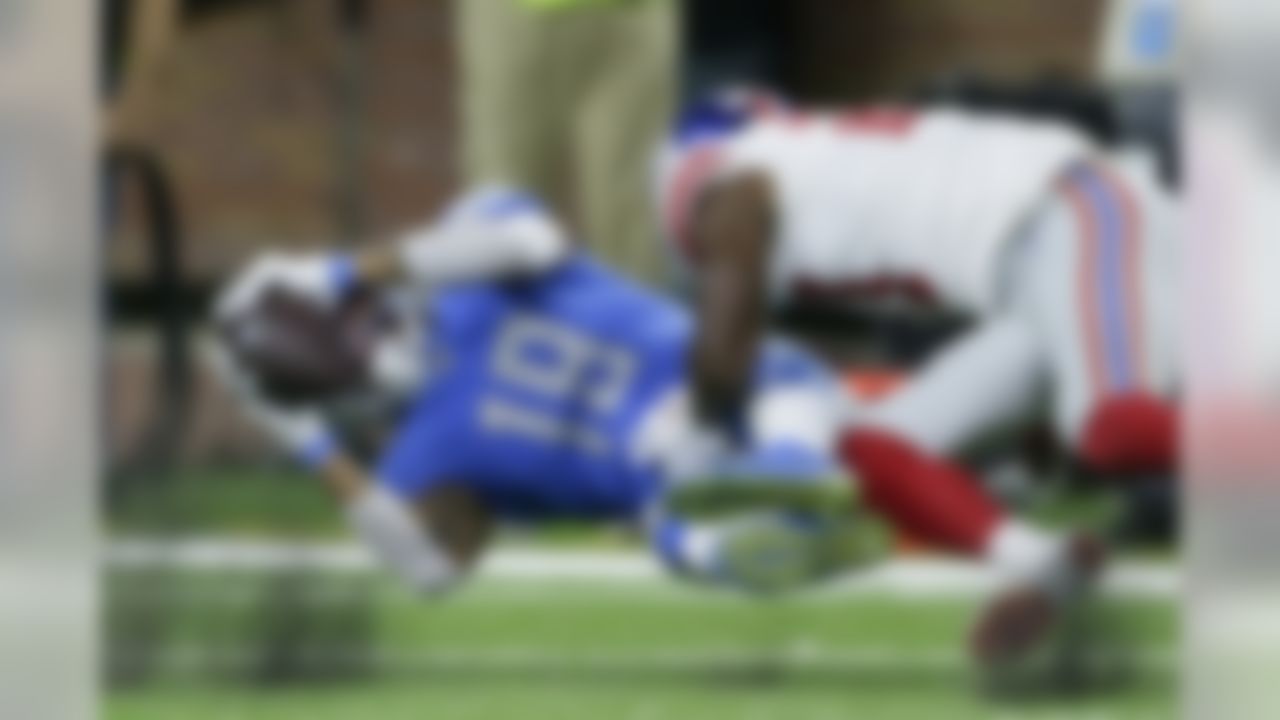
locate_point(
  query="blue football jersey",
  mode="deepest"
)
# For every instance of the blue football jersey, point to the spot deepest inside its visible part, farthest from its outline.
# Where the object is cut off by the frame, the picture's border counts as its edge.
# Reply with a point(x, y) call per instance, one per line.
point(539, 386)
point(539, 383)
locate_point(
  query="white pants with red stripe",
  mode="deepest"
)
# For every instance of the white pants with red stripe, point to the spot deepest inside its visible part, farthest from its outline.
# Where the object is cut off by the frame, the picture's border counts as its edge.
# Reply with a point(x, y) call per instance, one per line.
point(1087, 313)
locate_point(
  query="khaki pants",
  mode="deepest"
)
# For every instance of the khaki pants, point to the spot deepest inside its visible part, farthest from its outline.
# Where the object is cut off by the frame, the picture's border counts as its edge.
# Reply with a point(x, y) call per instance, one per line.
point(569, 104)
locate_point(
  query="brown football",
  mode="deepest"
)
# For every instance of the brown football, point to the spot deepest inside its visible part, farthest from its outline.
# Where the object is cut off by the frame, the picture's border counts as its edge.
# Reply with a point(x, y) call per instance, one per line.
point(301, 352)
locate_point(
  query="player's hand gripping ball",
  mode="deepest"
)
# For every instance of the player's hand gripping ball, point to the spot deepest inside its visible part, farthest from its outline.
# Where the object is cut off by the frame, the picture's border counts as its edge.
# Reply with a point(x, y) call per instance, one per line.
point(298, 351)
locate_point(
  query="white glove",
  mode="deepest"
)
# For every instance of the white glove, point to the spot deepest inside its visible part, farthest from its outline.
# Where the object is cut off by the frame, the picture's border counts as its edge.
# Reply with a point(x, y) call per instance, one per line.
point(683, 448)
point(701, 451)
point(319, 277)
point(301, 432)
point(389, 527)
point(489, 232)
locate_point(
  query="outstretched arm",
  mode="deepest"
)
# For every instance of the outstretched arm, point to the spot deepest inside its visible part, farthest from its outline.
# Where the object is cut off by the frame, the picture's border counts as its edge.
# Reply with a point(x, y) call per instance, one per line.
point(494, 232)
point(732, 237)
point(420, 543)
point(430, 545)
point(488, 234)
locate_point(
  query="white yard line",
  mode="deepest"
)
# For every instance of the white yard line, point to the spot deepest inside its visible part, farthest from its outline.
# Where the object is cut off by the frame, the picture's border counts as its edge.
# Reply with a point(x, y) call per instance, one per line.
point(532, 659)
point(917, 577)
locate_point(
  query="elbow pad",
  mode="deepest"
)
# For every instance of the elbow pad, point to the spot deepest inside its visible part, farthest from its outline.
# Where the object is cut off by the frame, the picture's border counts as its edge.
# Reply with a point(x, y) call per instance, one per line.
point(394, 534)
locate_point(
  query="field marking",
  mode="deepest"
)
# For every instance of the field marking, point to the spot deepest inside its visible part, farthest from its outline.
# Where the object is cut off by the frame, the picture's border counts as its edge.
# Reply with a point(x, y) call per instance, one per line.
point(793, 657)
point(916, 577)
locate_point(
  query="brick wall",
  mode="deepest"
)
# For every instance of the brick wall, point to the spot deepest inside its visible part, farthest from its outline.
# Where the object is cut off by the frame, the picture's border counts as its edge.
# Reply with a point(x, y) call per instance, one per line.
point(248, 124)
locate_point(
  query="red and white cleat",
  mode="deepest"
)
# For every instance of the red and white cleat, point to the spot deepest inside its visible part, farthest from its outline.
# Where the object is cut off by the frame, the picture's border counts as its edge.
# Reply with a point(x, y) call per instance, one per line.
point(1020, 619)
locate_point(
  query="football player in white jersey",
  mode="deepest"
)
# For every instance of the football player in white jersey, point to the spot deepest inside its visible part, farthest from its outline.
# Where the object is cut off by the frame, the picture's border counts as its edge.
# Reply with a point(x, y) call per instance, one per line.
point(1060, 255)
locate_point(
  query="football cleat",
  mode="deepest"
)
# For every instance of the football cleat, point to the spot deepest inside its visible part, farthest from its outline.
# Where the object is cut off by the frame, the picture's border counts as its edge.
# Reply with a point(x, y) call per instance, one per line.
point(1023, 619)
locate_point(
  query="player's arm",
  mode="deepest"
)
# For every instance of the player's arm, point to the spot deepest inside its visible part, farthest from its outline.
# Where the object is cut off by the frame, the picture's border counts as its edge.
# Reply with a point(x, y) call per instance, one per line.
point(732, 233)
point(430, 544)
point(491, 233)
point(401, 538)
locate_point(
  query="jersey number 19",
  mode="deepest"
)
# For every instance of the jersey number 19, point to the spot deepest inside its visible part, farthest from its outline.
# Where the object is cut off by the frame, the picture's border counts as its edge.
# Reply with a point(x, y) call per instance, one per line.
point(556, 384)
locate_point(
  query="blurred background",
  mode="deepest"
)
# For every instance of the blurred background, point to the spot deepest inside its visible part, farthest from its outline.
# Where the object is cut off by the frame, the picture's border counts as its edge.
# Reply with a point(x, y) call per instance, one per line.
point(235, 125)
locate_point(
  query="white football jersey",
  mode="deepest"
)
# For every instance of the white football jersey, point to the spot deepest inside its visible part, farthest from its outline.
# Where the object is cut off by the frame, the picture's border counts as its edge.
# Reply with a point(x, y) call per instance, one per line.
point(884, 201)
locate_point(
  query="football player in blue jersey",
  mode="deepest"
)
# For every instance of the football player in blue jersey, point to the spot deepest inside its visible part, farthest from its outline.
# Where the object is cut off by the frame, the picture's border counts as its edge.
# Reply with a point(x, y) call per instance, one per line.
point(529, 382)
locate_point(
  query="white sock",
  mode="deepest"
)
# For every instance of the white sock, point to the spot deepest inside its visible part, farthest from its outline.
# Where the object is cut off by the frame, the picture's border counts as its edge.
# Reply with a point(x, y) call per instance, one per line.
point(1019, 552)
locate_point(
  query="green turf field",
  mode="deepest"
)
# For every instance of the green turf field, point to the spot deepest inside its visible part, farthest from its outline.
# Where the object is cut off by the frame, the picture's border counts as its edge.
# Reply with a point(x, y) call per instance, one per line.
point(926, 698)
point(570, 651)
point(237, 646)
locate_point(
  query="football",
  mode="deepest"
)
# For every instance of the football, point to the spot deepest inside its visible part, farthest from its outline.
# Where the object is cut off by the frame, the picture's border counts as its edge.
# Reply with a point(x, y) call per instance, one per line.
point(300, 352)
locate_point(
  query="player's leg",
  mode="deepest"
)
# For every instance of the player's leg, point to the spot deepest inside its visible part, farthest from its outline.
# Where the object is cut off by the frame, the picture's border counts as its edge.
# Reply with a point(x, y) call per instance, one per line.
point(899, 452)
point(800, 419)
point(1095, 280)
point(990, 379)
point(1088, 280)
point(900, 456)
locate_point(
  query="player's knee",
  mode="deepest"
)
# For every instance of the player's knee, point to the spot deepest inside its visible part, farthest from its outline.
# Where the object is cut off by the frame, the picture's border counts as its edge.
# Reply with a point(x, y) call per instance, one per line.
point(1130, 433)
